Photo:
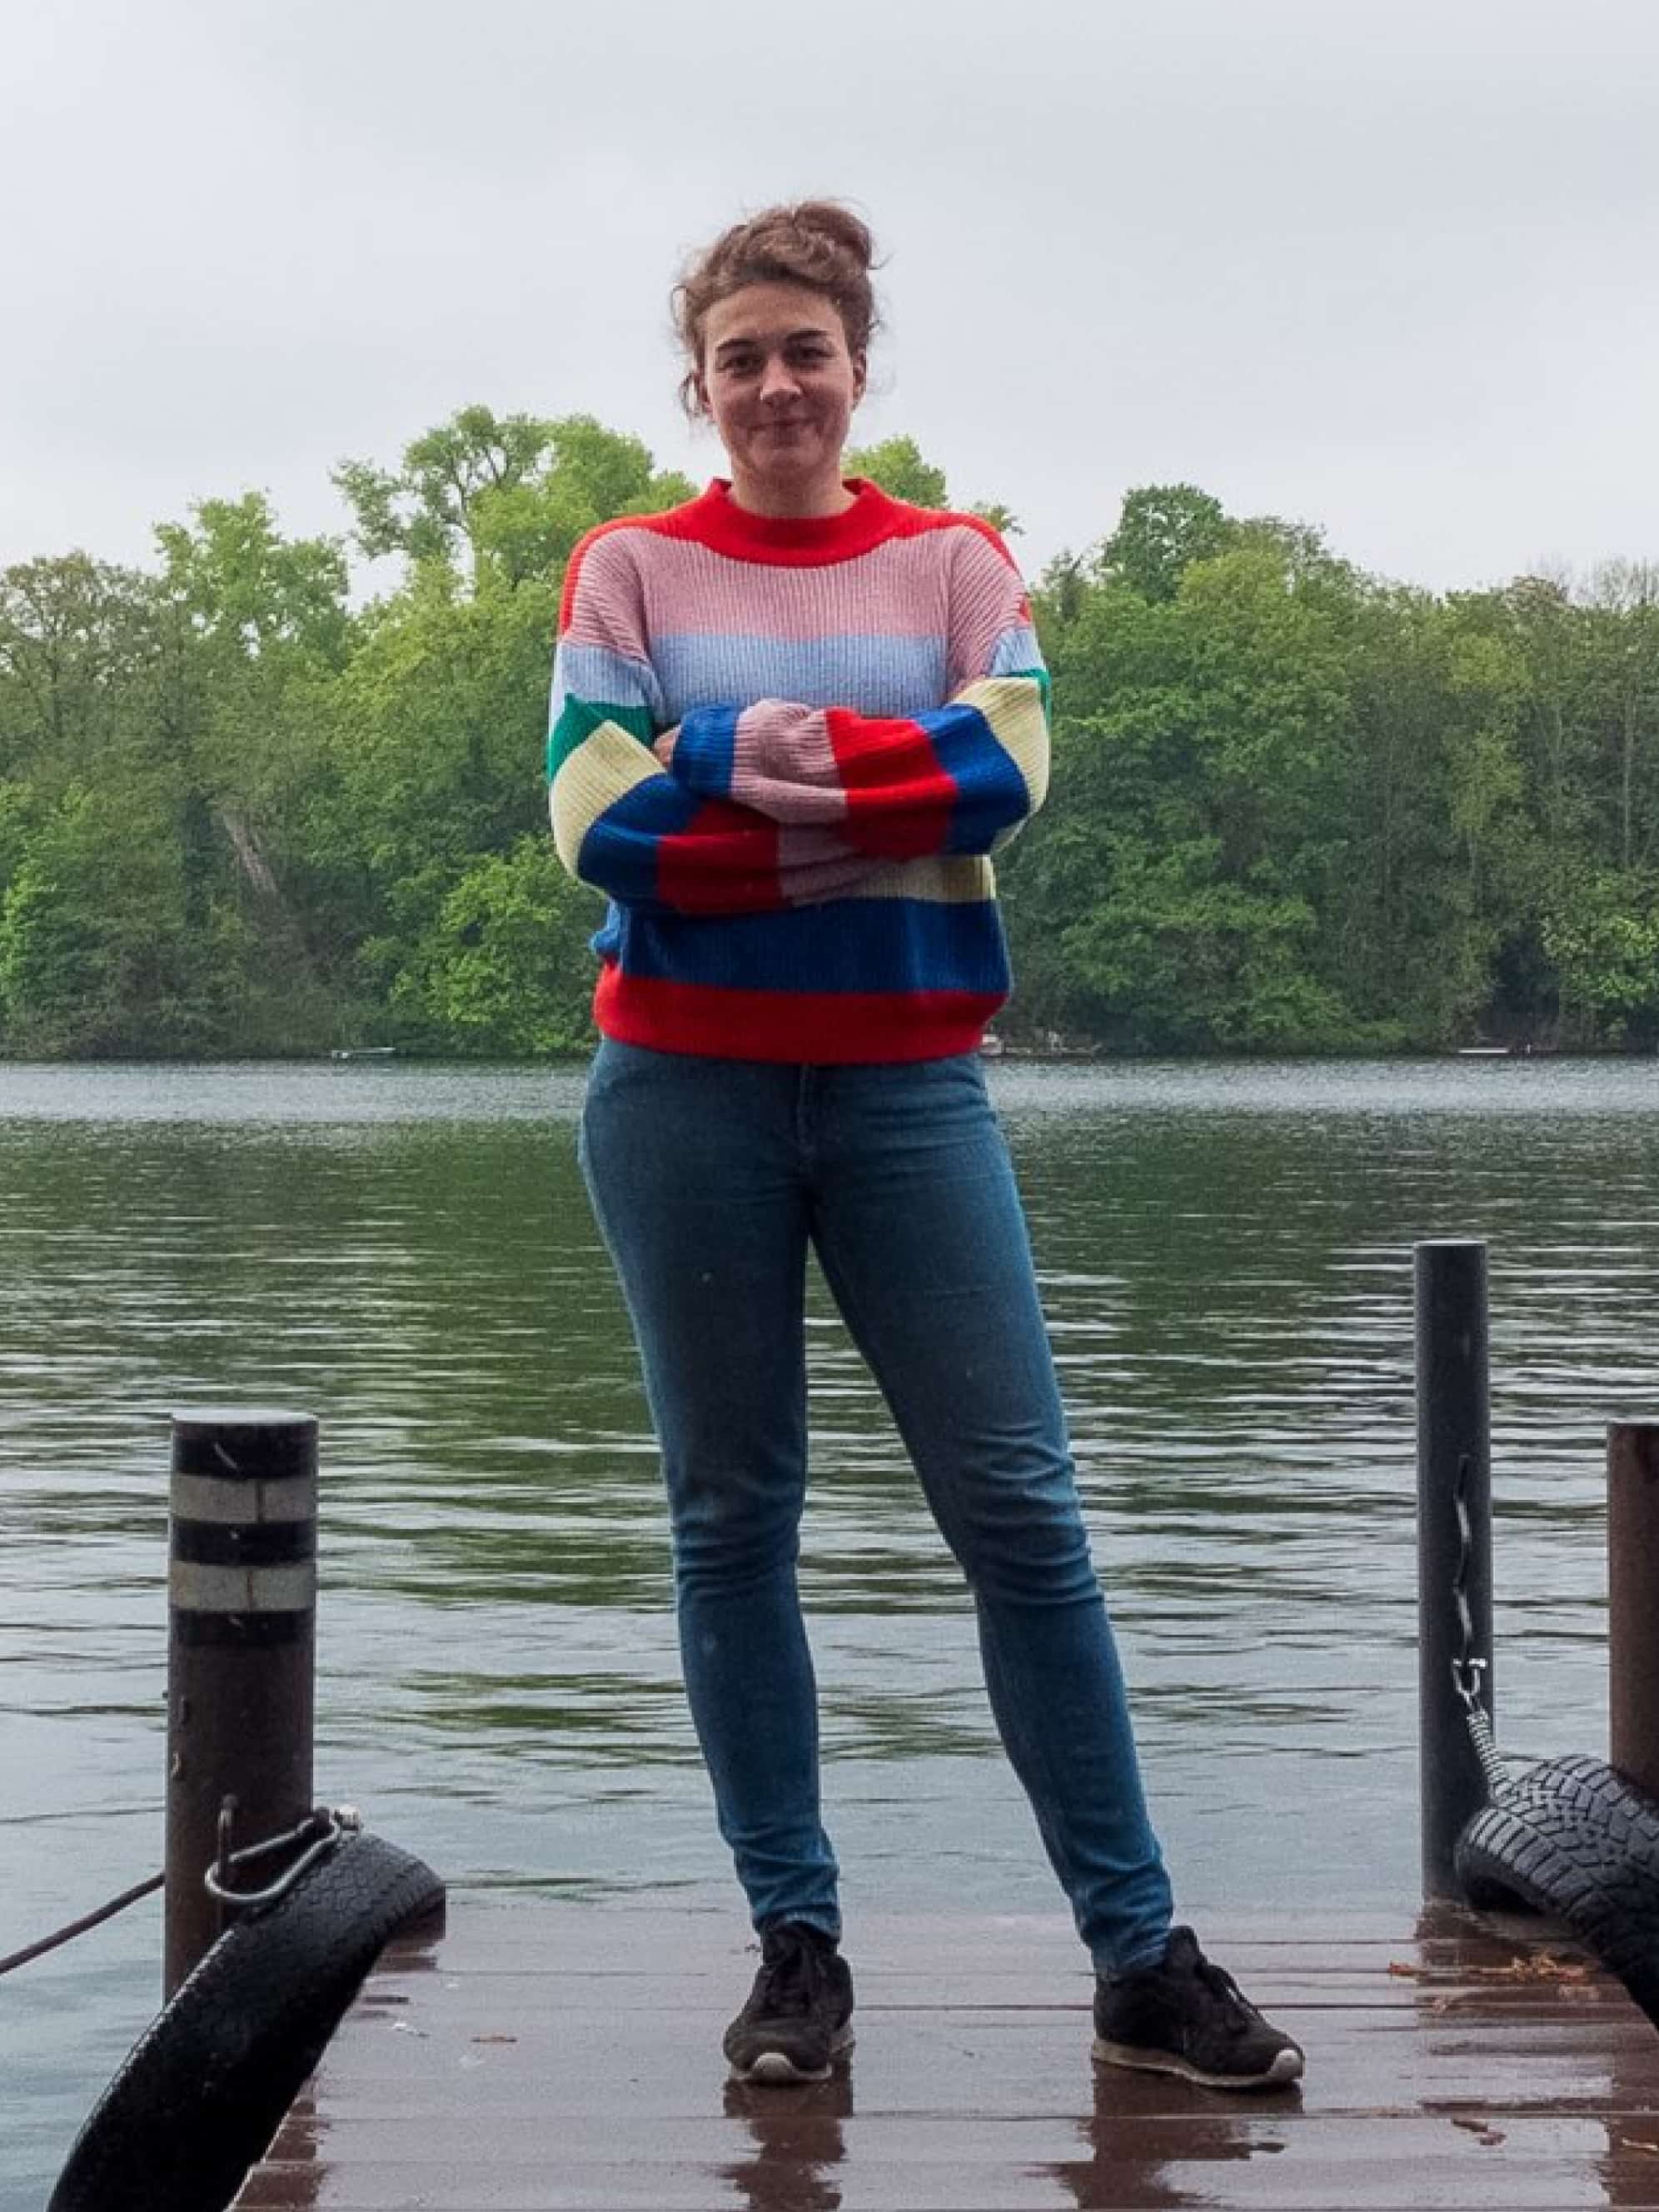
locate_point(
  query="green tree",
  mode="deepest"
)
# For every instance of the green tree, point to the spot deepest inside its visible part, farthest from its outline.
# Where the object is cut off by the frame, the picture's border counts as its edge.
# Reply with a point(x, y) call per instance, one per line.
point(1294, 807)
point(503, 970)
point(76, 635)
point(502, 500)
point(1162, 530)
point(248, 588)
point(1199, 751)
point(425, 509)
point(898, 466)
point(1618, 618)
point(438, 727)
point(1423, 800)
point(1602, 931)
point(94, 956)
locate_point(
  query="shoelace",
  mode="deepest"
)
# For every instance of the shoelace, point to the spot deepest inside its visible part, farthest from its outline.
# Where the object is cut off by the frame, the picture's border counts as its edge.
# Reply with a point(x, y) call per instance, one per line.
point(790, 1977)
point(1221, 1984)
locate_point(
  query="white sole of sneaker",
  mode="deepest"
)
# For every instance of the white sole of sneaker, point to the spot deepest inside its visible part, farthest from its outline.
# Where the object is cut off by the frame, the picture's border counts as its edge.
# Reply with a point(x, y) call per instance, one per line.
point(776, 2068)
point(1286, 2069)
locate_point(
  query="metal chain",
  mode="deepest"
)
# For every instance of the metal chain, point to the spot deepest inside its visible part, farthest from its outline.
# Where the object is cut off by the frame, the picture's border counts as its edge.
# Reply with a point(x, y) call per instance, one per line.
point(320, 1831)
point(1466, 1669)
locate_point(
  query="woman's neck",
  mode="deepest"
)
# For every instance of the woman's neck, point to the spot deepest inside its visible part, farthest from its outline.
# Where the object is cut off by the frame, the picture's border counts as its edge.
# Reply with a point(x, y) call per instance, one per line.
point(791, 502)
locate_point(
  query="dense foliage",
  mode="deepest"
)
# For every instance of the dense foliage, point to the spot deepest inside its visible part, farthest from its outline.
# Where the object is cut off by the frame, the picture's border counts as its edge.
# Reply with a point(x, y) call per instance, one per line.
point(1295, 808)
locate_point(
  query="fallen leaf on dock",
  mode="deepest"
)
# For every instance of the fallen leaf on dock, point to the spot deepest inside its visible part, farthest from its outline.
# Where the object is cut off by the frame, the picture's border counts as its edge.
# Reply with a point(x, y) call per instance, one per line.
point(1483, 2131)
point(1536, 1966)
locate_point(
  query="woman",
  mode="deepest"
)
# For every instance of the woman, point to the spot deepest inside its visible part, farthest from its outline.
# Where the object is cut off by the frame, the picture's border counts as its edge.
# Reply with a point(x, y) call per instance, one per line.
point(791, 719)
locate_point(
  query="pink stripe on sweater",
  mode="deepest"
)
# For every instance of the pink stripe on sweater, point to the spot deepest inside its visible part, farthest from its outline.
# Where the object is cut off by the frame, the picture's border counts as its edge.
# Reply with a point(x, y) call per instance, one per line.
point(988, 600)
point(604, 606)
point(901, 589)
point(812, 760)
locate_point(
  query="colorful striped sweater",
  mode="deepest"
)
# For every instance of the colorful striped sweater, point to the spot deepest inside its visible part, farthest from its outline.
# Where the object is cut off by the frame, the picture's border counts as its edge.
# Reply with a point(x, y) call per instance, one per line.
point(786, 749)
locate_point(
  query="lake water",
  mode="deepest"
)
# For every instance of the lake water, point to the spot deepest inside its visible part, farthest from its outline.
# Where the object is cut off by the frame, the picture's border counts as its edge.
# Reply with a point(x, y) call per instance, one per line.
point(1225, 1252)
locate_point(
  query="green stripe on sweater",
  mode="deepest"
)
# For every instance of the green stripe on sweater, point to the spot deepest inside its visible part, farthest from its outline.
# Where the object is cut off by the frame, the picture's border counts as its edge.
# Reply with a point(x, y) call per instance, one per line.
point(582, 717)
point(1039, 677)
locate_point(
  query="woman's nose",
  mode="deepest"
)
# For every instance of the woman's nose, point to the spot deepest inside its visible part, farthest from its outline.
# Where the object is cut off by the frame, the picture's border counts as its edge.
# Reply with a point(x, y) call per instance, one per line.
point(779, 381)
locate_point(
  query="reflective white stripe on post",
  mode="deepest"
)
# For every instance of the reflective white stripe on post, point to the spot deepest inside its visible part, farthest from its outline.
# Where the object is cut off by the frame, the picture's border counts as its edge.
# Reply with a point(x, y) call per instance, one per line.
point(215, 1497)
point(194, 1588)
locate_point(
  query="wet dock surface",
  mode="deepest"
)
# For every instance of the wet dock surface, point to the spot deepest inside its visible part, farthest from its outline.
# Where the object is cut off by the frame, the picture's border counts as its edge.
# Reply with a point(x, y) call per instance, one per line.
point(550, 2057)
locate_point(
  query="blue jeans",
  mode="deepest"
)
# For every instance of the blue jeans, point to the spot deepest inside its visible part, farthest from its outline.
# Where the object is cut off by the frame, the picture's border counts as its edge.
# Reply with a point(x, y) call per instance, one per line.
point(710, 1178)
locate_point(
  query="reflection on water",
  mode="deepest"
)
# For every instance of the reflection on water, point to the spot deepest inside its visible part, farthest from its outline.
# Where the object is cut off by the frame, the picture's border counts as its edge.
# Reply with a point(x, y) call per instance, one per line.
point(796, 2142)
point(1129, 2158)
point(1225, 1255)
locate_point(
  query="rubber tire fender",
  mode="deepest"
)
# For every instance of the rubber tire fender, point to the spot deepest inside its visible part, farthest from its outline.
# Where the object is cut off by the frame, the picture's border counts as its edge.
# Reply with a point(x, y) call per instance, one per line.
point(1572, 1837)
point(205, 2087)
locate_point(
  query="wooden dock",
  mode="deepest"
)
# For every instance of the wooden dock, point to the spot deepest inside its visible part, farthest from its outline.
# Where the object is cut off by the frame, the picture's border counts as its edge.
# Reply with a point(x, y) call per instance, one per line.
point(539, 2057)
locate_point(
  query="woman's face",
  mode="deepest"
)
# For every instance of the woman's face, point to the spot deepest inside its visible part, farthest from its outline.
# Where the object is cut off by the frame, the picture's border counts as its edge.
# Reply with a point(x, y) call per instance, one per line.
point(779, 385)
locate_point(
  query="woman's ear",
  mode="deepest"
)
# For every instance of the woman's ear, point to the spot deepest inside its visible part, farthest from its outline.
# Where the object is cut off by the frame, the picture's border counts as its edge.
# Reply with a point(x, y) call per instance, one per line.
point(860, 376)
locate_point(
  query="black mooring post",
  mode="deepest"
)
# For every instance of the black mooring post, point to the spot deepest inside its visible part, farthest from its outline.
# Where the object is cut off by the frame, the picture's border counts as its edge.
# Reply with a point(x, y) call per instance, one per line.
point(1454, 1549)
point(241, 1648)
point(1633, 1601)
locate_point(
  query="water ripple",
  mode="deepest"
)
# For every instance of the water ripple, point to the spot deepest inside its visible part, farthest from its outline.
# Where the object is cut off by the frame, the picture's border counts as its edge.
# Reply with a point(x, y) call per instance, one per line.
point(1226, 1262)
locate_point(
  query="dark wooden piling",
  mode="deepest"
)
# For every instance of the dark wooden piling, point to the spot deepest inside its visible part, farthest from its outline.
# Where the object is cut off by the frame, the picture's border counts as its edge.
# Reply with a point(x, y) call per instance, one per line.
point(1454, 1540)
point(1633, 1601)
point(242, 1656)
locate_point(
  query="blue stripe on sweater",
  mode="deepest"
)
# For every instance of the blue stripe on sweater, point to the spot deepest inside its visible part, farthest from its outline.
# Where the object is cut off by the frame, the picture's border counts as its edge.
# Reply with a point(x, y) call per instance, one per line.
point(707, 748)
point(619, 853)
point(991, 793)
point(845, 944)
point(871, 675)
point(594, 672)
point(1016, 652)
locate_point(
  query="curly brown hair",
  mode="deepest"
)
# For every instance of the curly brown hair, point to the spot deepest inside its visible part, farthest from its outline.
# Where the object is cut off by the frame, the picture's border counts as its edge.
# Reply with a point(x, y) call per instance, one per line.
point(818, 243)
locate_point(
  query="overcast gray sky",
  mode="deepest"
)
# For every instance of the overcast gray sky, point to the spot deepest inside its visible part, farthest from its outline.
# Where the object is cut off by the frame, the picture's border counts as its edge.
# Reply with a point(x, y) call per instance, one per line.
point(1388, 267)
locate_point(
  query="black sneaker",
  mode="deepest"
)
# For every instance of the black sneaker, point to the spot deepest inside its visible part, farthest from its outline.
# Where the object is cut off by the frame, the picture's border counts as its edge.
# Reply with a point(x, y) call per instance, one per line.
point(1187, 2017)
point(799, 2014)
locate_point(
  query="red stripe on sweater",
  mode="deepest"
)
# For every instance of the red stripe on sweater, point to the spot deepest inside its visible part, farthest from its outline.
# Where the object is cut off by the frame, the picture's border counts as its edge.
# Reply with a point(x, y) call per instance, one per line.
point(723, 861)
point(585, 546)
point(889, 768)
point(816, 1027)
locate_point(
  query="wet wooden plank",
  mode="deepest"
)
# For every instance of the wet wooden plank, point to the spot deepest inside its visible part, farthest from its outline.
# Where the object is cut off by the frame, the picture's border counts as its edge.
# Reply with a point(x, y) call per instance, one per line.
point(951, 1990)
point(536, 1933)
point(1424, 2173)
point(997, 2067)
point(538, 2057)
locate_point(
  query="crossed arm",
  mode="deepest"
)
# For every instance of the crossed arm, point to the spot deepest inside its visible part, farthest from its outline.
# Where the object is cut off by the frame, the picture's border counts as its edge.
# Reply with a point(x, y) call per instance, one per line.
point(746, 809)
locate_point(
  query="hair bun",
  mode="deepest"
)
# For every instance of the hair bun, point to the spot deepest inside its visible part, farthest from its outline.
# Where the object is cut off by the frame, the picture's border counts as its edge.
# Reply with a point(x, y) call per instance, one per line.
point(846, 234)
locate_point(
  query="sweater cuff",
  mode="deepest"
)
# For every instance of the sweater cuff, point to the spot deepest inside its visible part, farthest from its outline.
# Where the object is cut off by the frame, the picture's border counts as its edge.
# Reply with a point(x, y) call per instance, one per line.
point(704, 750)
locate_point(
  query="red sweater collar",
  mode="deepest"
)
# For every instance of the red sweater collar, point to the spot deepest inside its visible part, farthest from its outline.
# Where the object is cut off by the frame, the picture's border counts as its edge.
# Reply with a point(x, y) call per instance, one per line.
point(716, 521)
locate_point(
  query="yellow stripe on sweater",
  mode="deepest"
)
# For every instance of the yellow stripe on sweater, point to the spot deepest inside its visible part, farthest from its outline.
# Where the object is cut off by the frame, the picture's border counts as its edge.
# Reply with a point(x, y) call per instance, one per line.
point(959, 880)
point(1013, 705)
point(605, 767)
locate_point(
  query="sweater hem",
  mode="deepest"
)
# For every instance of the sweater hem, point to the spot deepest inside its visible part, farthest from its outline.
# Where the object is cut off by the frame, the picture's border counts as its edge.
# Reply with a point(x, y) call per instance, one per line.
point(805, 1028)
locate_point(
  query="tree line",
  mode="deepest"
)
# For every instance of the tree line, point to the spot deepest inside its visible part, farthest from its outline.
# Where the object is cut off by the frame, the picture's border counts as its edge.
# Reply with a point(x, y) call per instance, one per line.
point(245, 810)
